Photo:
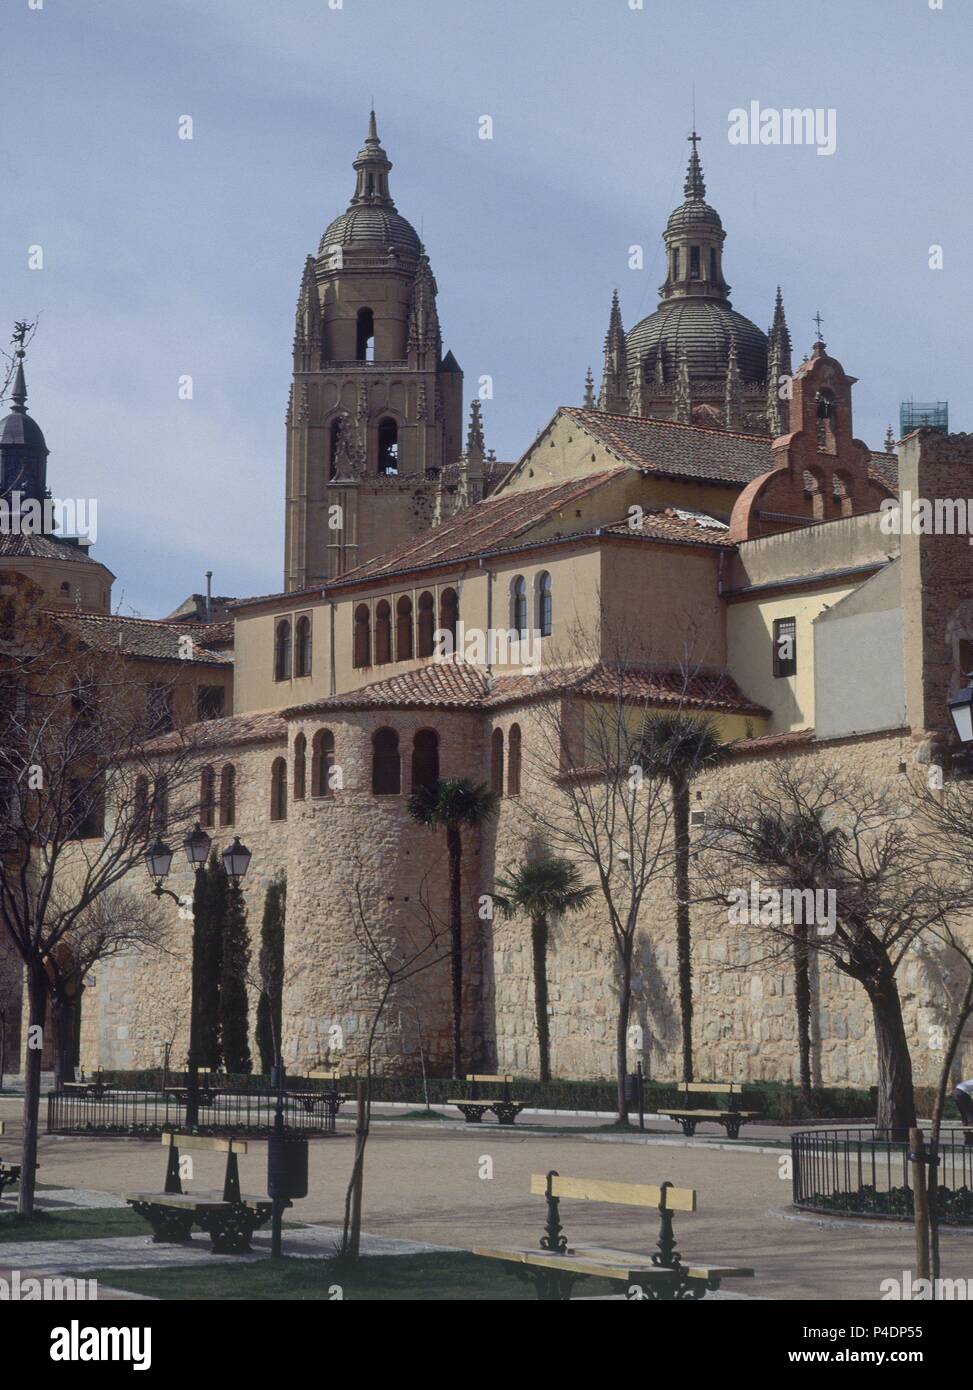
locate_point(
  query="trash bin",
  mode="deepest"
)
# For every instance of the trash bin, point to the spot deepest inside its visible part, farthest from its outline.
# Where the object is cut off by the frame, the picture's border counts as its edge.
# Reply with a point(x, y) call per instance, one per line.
point(631, 1088)
point(287, 1166)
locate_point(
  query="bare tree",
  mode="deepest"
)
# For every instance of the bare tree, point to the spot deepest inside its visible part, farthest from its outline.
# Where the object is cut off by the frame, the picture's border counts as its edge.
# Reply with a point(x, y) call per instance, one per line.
point(608, 812)
point(803, 829)
point(119, 921)
point(392, 964)
point(76, 762)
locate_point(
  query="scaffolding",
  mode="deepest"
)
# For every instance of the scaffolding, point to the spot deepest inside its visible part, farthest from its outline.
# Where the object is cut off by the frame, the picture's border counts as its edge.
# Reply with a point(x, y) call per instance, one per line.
point(923, 415)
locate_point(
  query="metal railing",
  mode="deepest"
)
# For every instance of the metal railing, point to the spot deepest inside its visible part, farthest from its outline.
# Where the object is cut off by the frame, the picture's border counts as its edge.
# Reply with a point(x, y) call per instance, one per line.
point(150, 1112)
point(860, 1172)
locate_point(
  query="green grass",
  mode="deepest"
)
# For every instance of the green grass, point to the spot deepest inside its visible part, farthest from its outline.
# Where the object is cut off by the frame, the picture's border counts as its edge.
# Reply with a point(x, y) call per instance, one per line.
point(422, 1115)
point(446, 1277)
point(75, 1223)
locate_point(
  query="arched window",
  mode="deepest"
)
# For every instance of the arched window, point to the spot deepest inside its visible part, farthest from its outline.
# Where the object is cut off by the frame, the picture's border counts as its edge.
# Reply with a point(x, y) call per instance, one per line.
point(334, 439)
point(160, 805)
point(425, 759)
point(300, 764)
point(278, 789)
point(386, 764)
point(496, 762)
point(302, 634)
point(141, 799)
point(383, 633)
point(841, 483)
point(365, 343)
point(388, 447)
point(207, 797)
point(427, 625)
point(322, 761)
point(518, 606)
point(403, 629)
point(513, 761)
point(228, 794)
point(363, 636)
point(544, 604)
point(694, 272)
point(282, 650)
point(449, 614)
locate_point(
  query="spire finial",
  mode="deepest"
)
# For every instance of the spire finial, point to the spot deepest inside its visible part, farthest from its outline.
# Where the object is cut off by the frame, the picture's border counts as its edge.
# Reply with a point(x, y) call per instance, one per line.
point(694, 186)
point(23, 331)
point(372, 137)
point(818, 320)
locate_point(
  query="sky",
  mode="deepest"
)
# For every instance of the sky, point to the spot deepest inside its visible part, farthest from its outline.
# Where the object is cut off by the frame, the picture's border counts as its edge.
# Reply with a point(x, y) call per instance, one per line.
point(163, 258)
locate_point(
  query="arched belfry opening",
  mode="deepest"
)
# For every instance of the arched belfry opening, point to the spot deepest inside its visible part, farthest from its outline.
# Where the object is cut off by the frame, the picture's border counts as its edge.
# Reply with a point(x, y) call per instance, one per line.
point(365, 351)
point(388, 447)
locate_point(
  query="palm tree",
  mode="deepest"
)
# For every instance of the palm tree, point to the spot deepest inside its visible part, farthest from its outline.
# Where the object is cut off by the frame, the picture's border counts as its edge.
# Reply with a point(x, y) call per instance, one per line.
point(452, 804)
point(546, 888)
point(679, 747)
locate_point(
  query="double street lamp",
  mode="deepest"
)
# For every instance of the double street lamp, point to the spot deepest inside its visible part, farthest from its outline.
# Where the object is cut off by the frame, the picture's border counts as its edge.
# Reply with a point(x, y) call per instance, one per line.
point(158, 860)
point(197, 844)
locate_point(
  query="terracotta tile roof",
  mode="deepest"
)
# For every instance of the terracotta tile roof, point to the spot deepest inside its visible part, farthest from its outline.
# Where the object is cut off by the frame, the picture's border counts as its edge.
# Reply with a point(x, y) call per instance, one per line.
point(258, 726)
point(885, 467)
point(458, 685)
point(149, 637)
point(677, 524)
point(492, 524)
point(772, 743)
point(678, 451)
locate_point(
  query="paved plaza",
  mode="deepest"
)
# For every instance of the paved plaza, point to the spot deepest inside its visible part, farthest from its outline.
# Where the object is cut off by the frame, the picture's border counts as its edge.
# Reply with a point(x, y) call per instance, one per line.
point(424, 1190)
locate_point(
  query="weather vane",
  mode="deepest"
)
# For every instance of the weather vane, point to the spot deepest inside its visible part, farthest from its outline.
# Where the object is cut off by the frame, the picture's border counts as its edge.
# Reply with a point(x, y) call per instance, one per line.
point(21, 334)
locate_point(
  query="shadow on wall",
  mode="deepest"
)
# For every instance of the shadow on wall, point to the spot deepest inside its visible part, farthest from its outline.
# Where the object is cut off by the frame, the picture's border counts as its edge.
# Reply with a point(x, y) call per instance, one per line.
point(655, 1013)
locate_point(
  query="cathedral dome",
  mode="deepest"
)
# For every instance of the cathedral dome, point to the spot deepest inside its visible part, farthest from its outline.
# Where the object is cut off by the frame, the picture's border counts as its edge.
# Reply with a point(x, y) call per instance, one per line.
point(702, 329)
point(691, 214)
point(374, 228)
point(20, 431)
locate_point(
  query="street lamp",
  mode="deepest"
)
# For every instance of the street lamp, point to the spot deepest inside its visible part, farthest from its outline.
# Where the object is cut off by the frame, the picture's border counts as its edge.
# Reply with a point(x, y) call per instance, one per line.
point(961, 711)
point(236, 859)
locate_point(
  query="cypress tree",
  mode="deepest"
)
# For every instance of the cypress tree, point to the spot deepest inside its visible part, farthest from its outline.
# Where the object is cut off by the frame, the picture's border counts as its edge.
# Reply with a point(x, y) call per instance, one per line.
point(233, 1006)
point(208, 898)
point(271, 966)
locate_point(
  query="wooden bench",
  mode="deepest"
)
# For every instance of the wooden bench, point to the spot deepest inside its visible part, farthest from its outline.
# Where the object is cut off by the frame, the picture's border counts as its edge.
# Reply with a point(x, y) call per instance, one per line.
point(207, 1088)
point(229, 1219)
point(663, 1276)
point(474, 1107)
point(731, 1118)
point(9, 1172)
point(331, 1100)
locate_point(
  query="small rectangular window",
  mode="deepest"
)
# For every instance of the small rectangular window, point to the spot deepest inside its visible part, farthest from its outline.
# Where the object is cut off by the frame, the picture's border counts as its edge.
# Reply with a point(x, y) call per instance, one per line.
point(785, 647)
point(694, 263)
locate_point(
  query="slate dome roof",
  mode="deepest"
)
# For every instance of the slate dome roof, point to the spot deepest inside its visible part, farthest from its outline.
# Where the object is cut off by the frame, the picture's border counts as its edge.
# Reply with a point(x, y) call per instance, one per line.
point(372, 228)
point(702, 329)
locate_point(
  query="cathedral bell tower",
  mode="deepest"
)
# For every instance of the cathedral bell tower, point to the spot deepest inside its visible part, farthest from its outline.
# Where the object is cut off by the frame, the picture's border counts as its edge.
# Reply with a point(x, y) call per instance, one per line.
point(375, 412)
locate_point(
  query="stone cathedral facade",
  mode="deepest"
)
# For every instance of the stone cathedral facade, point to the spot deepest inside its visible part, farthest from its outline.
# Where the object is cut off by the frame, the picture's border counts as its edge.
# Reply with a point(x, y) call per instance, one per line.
point(326, 703)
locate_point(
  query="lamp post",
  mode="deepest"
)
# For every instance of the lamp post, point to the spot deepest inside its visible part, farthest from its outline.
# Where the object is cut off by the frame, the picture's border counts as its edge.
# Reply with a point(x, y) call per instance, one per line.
point(158, 861)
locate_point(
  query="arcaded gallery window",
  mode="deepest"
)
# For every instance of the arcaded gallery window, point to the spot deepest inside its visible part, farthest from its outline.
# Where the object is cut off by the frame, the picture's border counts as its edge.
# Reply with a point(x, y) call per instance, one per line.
point(403, 629)
point(388, 447)
point(513, 761)
point(545, 607)
point(518, 606)
point(303, 635)
point(207, 797)
point(386, 763)
point(496, 762)
point(449, 614)
point(427, 624)
point(383, 633)
point(363, 636)
point(365, 338)
point(282, 650)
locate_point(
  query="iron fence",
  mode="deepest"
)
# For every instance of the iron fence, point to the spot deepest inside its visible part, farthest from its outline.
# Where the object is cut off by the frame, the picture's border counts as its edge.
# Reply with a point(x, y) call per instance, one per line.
point(861, 1172)
point(219, 1112)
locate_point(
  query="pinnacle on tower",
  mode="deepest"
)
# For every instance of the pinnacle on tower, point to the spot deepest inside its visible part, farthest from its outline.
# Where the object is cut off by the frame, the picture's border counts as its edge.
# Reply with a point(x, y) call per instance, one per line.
point(682, 399)
point(372, 165)
point(779, 333)
point(614, 381)
point(889, 441)
point(589, 391)
point(733, 394)
point(475, 448)
point(694, 187)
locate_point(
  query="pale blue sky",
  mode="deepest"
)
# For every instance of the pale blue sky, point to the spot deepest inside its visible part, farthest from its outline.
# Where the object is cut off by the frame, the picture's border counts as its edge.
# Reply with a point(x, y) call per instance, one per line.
point(164, 257)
